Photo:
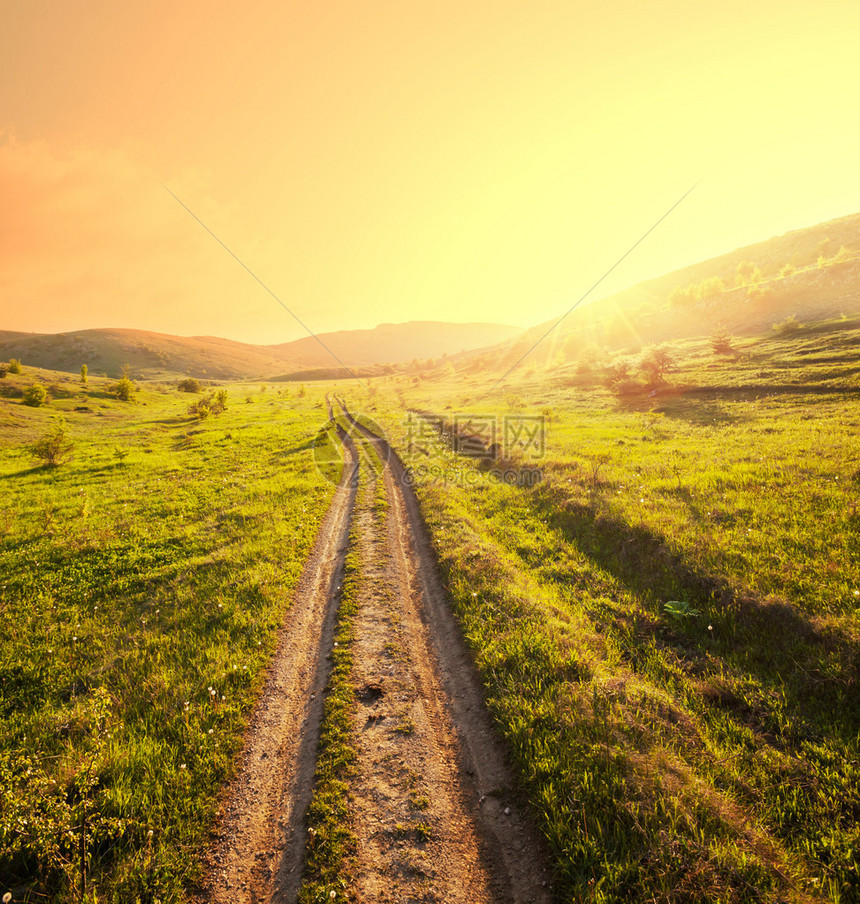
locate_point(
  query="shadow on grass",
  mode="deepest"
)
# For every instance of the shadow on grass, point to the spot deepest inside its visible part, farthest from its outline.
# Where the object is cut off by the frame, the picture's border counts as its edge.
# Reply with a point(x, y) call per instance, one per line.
point(31, 472)
point(818, 670)
point(285, 453)
point(751, 391)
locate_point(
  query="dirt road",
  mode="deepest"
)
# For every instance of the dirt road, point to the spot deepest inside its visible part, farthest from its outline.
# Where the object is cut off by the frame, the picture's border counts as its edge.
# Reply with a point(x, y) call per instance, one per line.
point(432, 805)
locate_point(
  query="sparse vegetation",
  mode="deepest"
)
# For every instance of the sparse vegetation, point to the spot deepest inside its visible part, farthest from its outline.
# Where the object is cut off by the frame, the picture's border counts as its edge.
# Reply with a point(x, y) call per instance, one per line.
point(709, 287)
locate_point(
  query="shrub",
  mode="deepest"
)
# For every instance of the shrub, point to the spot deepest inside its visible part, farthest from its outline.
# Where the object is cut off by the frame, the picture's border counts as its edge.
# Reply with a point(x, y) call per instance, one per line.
point(14, 366)
point(54, 447)
point(189, 384)
point(617, 373)
point(214, 403)
point(35, 395)
point(84, 373)
point(748, 274)
point(124, 389)
point(656, 362)
point(4, 369)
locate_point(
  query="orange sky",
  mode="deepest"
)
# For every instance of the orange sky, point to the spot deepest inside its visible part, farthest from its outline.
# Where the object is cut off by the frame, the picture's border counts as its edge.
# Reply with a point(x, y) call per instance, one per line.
point(390, 161)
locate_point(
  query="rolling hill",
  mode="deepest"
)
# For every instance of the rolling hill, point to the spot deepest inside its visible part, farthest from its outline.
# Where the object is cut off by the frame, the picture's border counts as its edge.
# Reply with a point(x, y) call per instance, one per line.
point(808, 274)
point(158, 355)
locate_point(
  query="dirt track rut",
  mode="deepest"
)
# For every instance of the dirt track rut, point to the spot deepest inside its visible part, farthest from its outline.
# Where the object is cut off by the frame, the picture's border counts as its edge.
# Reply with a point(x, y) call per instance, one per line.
point(257, 854)
point(434, 812)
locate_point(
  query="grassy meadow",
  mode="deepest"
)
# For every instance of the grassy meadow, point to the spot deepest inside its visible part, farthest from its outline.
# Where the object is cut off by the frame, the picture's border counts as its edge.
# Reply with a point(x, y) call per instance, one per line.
point(142, 585)
point(667, 625)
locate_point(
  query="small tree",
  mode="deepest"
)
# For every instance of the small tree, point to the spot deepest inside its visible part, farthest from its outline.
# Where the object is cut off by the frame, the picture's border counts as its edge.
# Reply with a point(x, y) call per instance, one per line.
point(84, 373)
point(189, 384)
point(35, 395)
point(14, 366)
point(748, 274)
point(656, 362)
point(54, 447)
point(721, 341)
point(4, 369)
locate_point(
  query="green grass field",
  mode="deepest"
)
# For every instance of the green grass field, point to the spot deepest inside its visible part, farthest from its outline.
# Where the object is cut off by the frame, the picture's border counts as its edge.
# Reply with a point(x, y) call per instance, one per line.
point(710, 752)
point(143, 583)
point(667, 625)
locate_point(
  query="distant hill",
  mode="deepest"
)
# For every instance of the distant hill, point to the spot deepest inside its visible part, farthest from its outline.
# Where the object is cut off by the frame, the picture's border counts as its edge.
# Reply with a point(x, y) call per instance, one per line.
point(148, 354)
point(390, 343)
point(162, 356)
point(810, 274)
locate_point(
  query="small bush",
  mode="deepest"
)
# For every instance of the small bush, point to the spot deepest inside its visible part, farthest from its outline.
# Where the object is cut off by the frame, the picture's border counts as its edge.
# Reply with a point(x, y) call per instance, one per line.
point(721, 342)
point(125, 388)
point(35, 395)
point(15, 366)
point(789, 325)
point(84, 373)
point(4, 369)
point(189, 385)
point(54, 447)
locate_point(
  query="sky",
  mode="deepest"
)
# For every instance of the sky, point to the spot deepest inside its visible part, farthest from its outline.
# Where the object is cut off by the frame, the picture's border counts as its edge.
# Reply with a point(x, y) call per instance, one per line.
point(378, 161)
